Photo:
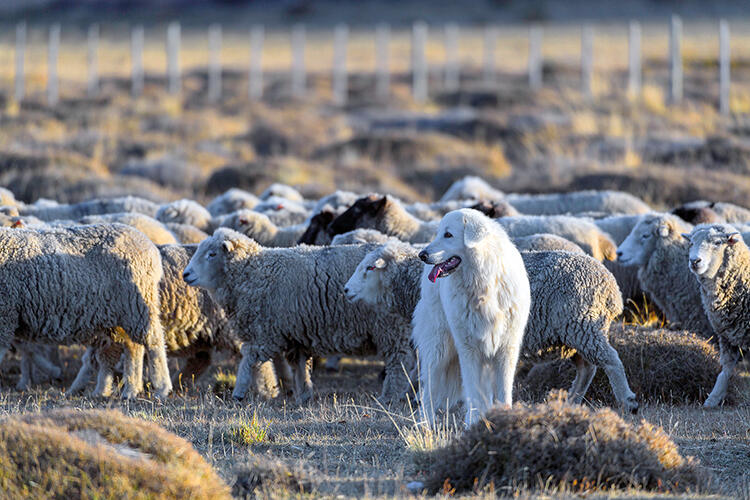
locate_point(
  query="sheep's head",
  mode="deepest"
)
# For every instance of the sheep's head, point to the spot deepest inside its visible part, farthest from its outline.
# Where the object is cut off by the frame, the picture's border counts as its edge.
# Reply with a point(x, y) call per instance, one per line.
point(363, 214)
point(207, 267)
point(366, 284)
point(185, 212)
point(698, 214)
point(646, 236)
point(252, 224)
point(281, 191)
point(495, 209)
point(710, 246)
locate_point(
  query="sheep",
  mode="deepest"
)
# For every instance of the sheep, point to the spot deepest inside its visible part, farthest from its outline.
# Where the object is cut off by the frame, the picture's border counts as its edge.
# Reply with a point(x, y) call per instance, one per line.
point(387, 215)
point(335, 201)
point(281, 191)
point(612, 202)
point(232, 200)
point(659, 253)
point(573, 302)
point(495, 209)
point(582, 232)
point(152, 228)
point(98, 206)
point(68, 285)
point(472, 188)
point(7, 198)
point(185, 233)
point(698, 215)
point(260, 228)
point(283, 212)
point(317, 228)
point(194, 325)
point(360, 236)
point(290, 300)
point(185, 211)
point(721, 262)
point(545, 243)
point(728, 211)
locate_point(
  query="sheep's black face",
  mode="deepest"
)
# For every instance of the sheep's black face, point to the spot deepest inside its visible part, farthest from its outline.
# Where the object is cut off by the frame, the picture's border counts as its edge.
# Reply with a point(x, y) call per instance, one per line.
point(700, 215)
point(357, 215)
point(318, 223)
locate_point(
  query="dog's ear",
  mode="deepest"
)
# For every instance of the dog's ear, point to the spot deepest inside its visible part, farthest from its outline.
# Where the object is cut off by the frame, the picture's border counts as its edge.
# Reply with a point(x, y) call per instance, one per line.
point(474, 231)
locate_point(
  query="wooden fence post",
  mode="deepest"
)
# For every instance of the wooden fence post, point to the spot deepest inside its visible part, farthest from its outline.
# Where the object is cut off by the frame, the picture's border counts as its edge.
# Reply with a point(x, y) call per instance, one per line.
point(339, 81)
point(214, 63)
point(725, 60)
point(587, 61)
point(535, 57)
point(298, 61)
point(52, 52)
point(19, 84)
point(255, 77)
point(382, 61)
point(419, 62)
point(490, 43)
point(93, 63)
point(452, 71)
point(173, 58)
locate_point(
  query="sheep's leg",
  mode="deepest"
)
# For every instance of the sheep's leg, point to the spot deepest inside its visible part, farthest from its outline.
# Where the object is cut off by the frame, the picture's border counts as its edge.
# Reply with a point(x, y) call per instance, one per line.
point(244, 372)
point(3, 350)
point(25, 381)
point(48, 364)
point(303, 386)
point(104, 376)
point(609, 361)
point(729, 356)
point(84, 373)
point(133, 370)
point(157, 360)
point(264, 380)
point(284, 373)
point(585, 372)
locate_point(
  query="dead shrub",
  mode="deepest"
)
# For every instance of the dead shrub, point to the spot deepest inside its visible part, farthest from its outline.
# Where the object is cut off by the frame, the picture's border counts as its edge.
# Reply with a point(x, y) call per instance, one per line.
point(262, 473)
point(100, 454)
point(560, 445)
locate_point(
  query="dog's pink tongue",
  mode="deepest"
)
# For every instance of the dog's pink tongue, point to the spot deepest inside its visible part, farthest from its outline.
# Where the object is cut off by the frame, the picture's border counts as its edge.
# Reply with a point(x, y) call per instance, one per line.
point(435, 273)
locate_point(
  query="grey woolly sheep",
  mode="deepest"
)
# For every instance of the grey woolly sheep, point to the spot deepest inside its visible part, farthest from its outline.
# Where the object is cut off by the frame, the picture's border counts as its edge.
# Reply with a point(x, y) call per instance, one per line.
point(7, 197)
point(721, 262)
point(360, 236)
point(545, 243)
point(574, 299)
point(283, 300)
point(384, 214)
point(194, 326)
point(338, 201)
point(283, 212)
point(659, 253)
point(281, 191)
point(472, 188)
point(698, 215)
point(152, 228)
point(729, 212)
point(613, 202)
point(185, 211)
point(185, 233)
point(618, 227)
point(75, 285)
point(99, 206)
point(232, 200)
point(260, 228)
point(582, 232)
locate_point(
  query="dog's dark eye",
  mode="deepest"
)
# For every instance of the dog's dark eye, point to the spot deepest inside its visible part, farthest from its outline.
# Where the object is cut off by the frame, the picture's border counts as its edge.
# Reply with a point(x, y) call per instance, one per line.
point(448, 235)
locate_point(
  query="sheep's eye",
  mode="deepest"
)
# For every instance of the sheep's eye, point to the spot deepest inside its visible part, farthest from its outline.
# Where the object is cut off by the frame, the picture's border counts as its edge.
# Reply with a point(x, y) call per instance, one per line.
point(447, 235)
point(212, 254)
point(370, 268)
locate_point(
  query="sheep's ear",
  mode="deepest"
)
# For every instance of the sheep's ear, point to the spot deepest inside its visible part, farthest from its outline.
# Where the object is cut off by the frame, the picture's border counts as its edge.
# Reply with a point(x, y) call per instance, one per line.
point(242, 221)
point(379, 263)
point(663, 230)
point(379, 204)
point(686, 236)
point(227, 246)
point(18, 223)
point(474, 231)
point(733, 238)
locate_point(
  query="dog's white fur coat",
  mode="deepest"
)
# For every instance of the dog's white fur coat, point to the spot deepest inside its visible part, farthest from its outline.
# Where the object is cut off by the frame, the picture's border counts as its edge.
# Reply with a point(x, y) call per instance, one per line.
point(468, 326)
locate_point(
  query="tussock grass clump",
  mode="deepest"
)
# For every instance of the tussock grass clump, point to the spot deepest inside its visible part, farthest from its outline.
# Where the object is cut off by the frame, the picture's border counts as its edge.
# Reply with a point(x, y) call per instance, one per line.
point(662, 365)
point(262, 473)
point(100, 454)
point(568, 446)
point(249, 432)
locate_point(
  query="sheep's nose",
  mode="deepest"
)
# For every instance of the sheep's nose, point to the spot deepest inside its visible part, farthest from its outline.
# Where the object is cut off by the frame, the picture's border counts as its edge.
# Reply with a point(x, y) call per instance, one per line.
point(185, 275)
point(423, 256)
point(694, 262)
point(346, 290)
point(619, 254)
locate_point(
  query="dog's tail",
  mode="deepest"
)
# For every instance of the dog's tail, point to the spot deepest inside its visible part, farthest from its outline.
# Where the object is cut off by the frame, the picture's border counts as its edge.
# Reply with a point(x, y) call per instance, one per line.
point(607, 247)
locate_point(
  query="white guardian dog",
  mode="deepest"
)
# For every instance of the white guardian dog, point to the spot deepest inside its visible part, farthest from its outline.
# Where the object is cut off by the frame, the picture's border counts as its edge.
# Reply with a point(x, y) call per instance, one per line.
point(471, 316)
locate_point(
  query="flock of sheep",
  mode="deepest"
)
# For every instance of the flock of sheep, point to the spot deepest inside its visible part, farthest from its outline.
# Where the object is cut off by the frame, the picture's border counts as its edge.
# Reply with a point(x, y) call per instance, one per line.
point(281, 280)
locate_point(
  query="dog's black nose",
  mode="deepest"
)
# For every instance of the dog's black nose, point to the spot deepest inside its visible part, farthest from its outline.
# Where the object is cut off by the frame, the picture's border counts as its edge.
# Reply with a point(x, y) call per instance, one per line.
point(184, 276)
point(423, 256)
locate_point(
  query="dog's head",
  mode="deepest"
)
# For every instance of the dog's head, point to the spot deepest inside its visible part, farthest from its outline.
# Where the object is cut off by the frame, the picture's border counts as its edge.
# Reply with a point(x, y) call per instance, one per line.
point(460, 231)
point(363, 214)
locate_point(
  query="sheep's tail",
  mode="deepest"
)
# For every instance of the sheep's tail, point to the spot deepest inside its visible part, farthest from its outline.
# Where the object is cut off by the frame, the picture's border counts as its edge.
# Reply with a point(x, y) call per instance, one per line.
point(608, 247)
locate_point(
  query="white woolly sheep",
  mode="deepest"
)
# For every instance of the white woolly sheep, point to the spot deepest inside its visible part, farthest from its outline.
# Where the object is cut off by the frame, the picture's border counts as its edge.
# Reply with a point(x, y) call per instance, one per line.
point(472, 188)
point(659, 253)
point(728, 211)
point(613, 202)
point(185, 233)
point(185, 211)
point(361, 236)
point(73, 285)
point(7, 198)
point(99, 206)
point(152, 228)
point(283, 212)
point(260, 228)
point(721, 262)
point(281, 191)
point(290, 300)
point(582, 232)
point(194, 326)
point(545, 243)
point(232, 200)
point(573, 302)
point(338, 201)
